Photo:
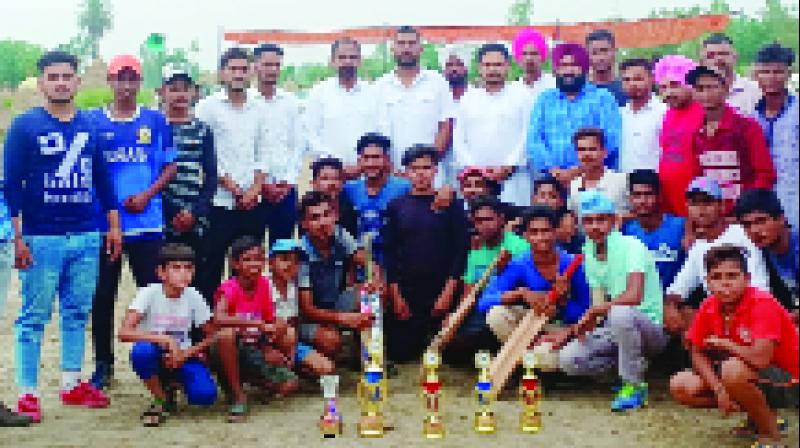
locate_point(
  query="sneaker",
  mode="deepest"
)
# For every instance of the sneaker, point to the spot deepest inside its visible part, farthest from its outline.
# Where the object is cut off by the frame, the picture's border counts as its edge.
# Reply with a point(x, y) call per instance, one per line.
point(630, 396)
point(84, 394)
point(28, 405)
point(101, 378)
point(9, 418)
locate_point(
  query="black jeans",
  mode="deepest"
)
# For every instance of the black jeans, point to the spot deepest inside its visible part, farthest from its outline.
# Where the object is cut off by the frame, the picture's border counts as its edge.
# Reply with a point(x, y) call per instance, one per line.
point(143, 259)
point(407, 339)
point(281, 217)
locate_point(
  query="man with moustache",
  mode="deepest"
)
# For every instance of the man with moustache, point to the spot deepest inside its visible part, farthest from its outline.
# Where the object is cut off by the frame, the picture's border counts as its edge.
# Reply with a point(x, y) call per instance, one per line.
point(490, 127)
point(602, 49)
point(530, 52)
point(559, 112)
point(642, 118)
point(237, 121)
point(281, 138)
point(341, 109)
point(718, 53)
point(455, 60)
point(413, 103)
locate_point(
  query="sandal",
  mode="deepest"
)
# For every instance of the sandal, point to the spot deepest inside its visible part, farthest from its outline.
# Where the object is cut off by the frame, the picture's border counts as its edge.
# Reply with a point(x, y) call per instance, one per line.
point(153, 416)
point(237, 413)
point(748, 429)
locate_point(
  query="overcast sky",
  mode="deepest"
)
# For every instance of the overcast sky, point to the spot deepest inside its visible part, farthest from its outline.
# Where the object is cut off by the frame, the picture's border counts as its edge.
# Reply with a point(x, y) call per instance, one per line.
point(51, 22)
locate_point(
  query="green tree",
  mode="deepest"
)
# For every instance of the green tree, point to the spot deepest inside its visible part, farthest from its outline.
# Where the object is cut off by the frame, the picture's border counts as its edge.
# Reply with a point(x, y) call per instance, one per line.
point(95, 19)
point(17, 61)
point(520, 13)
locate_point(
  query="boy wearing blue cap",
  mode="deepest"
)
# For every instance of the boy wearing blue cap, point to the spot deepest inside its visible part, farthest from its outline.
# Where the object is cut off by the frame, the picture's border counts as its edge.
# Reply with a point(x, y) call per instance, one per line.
point(627, 295)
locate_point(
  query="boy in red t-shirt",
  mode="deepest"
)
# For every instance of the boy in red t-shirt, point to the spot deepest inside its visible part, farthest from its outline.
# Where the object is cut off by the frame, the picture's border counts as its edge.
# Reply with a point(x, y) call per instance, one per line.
point(250, 337)
point(738, 334)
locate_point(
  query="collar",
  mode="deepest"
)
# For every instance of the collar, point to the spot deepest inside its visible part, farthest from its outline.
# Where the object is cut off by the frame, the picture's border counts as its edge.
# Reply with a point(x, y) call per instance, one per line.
point(761, 105)
point(134, 117)
point(357, 87)
point(252, 95)
point(746, 303)
point(651, 104)
point(423, 73)
point(728, 121)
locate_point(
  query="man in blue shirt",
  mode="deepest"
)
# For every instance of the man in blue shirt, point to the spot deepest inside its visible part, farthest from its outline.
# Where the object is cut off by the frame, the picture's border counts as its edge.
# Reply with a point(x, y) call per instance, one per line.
point(55, 176)
point(572, 105)
point(136, 143)
point(761, 214)
point(661, 232)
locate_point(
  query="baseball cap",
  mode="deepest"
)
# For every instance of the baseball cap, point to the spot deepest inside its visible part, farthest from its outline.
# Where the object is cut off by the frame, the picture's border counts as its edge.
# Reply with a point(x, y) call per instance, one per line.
point(594, 202)
point(174, 72)
point(284, 245)
point(701, 70)
point(705, 185)
point(123, 61)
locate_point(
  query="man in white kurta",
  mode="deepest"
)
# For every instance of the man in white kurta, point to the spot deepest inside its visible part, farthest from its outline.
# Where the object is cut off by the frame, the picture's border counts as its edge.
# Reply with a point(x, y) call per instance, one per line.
point(490, 127)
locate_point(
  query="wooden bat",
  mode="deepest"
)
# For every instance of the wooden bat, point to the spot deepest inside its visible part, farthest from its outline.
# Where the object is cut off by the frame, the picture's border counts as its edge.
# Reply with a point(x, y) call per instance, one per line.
point(447, 332)
point(531, 325)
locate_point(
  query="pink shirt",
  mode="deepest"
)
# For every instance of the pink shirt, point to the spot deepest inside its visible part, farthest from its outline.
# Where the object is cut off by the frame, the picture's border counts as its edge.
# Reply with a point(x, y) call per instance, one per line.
point(678, 164)
point(240, 303)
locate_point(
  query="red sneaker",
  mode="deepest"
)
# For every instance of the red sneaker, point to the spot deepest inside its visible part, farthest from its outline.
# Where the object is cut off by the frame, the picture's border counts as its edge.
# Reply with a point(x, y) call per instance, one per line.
point(84, 394)
point(28, 405)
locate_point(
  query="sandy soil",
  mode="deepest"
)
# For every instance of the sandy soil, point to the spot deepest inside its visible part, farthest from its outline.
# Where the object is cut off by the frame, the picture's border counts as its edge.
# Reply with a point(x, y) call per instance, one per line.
point(573, 418)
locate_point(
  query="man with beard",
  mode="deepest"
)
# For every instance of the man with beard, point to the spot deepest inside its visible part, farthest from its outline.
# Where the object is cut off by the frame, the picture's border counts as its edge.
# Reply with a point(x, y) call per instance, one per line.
point(456, 60)
point(684, 116)
point(341, 109)
point(56, 184)
point(490, 127)
point(137, 145)
point(413, 104)
point(559, 112)
point(778, 115)
point(282, 140)
point(530, 52)
point(642, 117)
point(742, 93)
point(237, 121)
point(602, 58)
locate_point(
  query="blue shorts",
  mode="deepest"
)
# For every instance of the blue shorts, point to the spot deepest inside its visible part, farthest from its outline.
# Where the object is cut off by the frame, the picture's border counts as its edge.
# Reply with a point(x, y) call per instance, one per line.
point(194, 376)
point(302, 352)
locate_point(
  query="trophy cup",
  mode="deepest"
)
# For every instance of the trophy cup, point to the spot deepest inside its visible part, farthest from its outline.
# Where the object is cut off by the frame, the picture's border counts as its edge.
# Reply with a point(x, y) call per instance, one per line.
point(530, 420)
point(432, 426)
point(485, 421)
point(372, 390)
point(330, 423)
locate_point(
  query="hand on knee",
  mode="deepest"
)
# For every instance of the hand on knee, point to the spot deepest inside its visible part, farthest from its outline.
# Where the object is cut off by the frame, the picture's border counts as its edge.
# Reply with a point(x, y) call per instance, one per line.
point(735, 373)
point(327, 341)
point(680, 386)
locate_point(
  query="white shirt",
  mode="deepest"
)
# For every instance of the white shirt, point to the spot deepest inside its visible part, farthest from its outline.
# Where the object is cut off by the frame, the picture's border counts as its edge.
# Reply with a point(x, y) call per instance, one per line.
point(281, 135)
point(693, 271)
point(238, 133)
point(744, 95)
point(490, 128)
point(613, 184)
point(640, 149)
point(411, 115)
point(172, 317)
point(545, 81)
point(336, 118)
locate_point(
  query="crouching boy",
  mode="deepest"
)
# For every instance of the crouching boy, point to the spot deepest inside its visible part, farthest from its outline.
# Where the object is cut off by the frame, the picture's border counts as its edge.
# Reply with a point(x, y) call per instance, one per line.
point(158, 322)
point(739, 335)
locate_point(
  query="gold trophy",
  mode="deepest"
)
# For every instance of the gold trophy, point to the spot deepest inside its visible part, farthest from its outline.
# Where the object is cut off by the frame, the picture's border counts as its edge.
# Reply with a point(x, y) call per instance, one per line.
point(330, 423)
point(530, 420)
point(372, 391)
point(432, 426)
point(485, 421)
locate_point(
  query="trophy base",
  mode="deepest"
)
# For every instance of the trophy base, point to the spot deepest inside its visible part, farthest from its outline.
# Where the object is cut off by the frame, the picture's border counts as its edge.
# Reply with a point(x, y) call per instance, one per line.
point(433, 428)
point(530, 422)
point(370, 426)
point(485, 423)
point(330, 427)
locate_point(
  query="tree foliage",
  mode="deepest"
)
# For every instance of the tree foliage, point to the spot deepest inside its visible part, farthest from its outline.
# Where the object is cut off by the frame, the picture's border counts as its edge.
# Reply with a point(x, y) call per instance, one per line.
point(17, 62)
point(520, 13)
point(94, 20)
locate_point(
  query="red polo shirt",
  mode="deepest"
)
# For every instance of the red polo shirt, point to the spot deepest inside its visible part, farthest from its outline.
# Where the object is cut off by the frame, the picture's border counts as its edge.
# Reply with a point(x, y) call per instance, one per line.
point(257, 305)
point(758, 316)
point(678, 163)
point(736, 156)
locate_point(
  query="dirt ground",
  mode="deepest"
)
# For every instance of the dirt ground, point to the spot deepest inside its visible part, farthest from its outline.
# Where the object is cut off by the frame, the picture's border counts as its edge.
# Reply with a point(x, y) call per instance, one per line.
point(572, 418)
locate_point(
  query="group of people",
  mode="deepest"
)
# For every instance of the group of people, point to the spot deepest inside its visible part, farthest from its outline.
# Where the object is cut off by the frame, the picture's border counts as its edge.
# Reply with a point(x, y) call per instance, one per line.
point(676, 181)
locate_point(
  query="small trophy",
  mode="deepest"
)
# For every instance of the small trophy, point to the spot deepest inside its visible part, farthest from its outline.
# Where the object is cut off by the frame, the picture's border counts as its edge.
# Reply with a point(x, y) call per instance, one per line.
point(372, 390)
point(432, 426)
point(330, 423)
point(530, 420)
point(485, 421)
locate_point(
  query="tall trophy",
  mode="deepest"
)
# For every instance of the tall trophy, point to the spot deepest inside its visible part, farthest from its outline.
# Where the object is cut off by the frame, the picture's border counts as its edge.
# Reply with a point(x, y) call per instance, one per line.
point(372, 391)
point(530, 420)
point(432, 426)
point(330, 423)
point(485, 421)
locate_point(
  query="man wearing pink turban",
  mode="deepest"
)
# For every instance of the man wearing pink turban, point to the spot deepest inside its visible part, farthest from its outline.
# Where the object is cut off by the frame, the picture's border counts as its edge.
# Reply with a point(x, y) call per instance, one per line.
point(530, 51)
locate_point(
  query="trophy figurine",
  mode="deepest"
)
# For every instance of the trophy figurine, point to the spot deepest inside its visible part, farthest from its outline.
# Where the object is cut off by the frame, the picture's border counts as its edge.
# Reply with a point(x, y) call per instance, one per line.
point(485, 421)
point(432, 426)
point(530, 420)
point(330, 423)
point(372, 391)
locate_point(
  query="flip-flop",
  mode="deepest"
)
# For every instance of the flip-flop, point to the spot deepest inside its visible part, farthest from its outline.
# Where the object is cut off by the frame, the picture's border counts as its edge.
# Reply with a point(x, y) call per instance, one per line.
point(237, 413)
point(153, 416)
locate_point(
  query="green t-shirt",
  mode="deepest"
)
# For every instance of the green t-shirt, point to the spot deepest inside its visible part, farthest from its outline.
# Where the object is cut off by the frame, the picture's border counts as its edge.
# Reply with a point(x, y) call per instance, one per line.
point(626, 254)
point(480, 259)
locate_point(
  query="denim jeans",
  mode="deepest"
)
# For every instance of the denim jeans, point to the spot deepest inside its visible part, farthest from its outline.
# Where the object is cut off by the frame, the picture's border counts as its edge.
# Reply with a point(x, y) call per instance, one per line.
point(63, 265)
point(6, 264)
point(199, 386)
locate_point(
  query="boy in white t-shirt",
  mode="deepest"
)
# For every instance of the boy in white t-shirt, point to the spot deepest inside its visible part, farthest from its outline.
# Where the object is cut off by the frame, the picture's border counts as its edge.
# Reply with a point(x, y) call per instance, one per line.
point(158, 322)
point(593, 173)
